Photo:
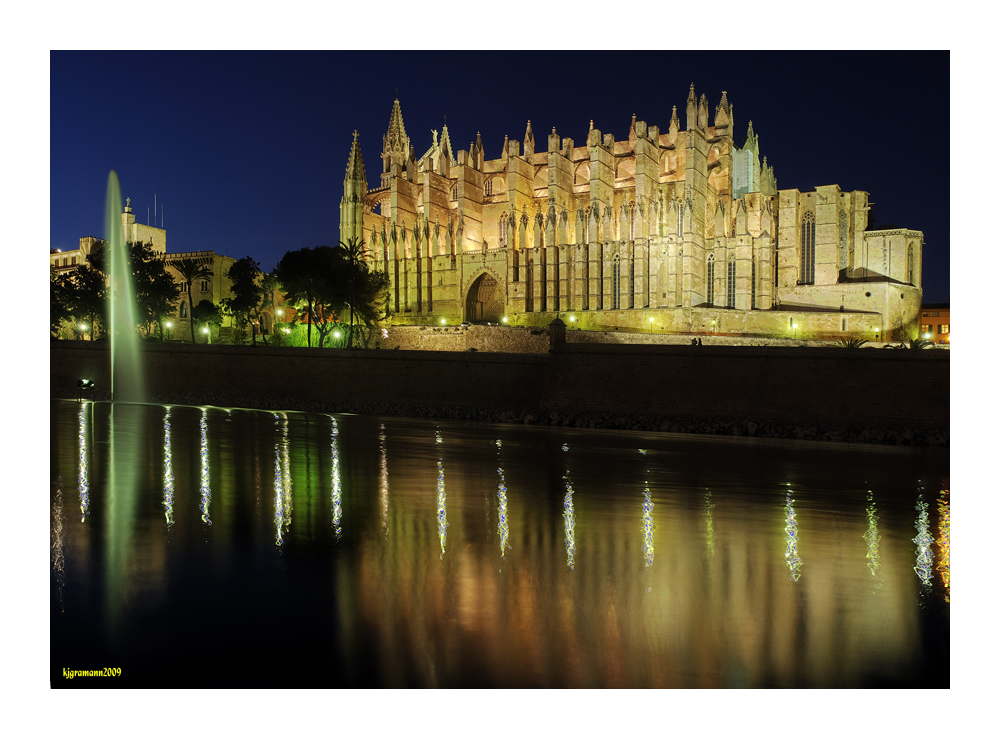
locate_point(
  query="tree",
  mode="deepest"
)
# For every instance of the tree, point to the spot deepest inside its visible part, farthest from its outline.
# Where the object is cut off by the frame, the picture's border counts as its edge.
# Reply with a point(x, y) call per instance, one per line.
point(190, 271)
point(59, 301)
point(206, 312)
point(307, 279)
point(365, 288)
point(247, 295)
point(352, 256)
point(84, 291)
point(269, 285)
point(156, 292)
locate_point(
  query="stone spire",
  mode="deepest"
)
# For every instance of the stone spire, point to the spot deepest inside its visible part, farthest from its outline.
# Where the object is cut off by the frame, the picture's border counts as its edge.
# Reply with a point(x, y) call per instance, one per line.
point(692, 109)
point(356, 167)
point(703, 111)
point(722, 112)
point(446, 144)
point(395, 138)
point(631, 131)
point(529, 141)
point(675, 123)
point(396, 149)
point(751, 142)
point(353, 203)
point(477, 153)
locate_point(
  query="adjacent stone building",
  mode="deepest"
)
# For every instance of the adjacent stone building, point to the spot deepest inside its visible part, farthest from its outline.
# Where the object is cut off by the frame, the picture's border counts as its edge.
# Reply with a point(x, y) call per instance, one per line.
point(678, 230)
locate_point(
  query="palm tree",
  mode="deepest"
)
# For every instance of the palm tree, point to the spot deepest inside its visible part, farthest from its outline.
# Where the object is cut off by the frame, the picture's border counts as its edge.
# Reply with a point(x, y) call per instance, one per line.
point(354, 253)
point(190, 271)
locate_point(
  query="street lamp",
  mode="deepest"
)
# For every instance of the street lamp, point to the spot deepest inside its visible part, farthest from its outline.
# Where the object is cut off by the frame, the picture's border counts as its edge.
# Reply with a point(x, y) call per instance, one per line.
point(651, 319)
point(795, 332)
point(443, 321)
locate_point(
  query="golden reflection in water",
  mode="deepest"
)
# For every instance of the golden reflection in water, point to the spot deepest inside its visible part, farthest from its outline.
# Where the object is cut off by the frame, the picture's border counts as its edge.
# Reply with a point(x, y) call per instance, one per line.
point(709, 527)
point(168, 471)
point(84, 486)
point(441, 501)
point(872, 538)
point(58, 542)
point(502, 507)
point(282, 482)
point(923, 540)
point(569, 519)
point(335, 479)
point(206, 490)
point(791, 540)
point(647, 526)
point(383, 480)
point(944, 543)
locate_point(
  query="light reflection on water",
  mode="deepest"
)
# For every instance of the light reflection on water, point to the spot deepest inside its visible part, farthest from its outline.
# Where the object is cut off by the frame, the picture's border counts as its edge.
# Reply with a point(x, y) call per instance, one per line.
point(168, 471)
point(84, 457)
point(335, 493)
point(566, 595)
point(206, 489)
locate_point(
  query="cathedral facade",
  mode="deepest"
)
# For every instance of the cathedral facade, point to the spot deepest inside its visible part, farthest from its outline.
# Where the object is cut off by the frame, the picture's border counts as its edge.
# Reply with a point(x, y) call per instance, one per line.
point(678, 230)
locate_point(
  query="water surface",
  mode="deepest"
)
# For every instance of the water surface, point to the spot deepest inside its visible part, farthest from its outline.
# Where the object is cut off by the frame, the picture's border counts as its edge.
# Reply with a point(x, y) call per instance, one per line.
point(211, 547)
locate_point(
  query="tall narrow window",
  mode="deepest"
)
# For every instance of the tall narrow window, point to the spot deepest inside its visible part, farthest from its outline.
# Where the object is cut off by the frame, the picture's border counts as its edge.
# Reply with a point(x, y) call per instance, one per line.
point(909, 265)
point(807, 272)
point(489, 187)
point(731, 283)
point(710, 279)
point(184, 309)
point(616, 283)
point(753, 285)
point(503, 231)
point(631, 222)
point(631, 280)
point(454, 193)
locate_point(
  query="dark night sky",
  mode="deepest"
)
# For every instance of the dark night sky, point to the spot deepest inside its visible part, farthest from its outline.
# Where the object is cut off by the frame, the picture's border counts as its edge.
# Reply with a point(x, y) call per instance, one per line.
point(246, 152)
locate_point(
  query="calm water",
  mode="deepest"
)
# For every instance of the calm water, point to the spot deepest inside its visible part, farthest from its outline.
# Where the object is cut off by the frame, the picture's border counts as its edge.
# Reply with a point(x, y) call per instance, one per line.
point(208, 547)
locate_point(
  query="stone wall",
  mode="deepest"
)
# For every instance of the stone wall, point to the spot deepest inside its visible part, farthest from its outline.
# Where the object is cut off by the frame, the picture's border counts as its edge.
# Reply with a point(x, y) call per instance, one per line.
point(511, 339)
point(665, 386)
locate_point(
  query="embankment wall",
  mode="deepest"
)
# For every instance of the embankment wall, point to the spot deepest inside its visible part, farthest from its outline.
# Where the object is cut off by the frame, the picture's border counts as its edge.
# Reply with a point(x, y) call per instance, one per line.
point(663, 387)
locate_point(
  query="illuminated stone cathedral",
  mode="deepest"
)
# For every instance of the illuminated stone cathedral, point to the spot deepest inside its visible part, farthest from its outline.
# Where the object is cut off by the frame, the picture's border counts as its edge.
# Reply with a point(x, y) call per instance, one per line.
point(678, 230)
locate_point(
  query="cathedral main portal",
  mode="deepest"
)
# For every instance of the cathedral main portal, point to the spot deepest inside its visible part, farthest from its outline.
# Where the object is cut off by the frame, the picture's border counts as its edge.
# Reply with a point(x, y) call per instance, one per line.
point(484, 301)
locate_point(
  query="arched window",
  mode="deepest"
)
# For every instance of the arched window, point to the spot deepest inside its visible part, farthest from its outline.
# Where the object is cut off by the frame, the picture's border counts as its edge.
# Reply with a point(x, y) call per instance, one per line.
point(909, 265)
point(489, 187)
point(710, 279)
point(731, 283)
point(454, 193)
point(184, 309)
point(617, 283)
point(631, 222)
point(807, 271)
point(753, 285)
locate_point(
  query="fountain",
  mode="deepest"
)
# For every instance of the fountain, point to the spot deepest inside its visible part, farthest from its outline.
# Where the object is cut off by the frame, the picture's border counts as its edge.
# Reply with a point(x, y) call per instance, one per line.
point(126, 370)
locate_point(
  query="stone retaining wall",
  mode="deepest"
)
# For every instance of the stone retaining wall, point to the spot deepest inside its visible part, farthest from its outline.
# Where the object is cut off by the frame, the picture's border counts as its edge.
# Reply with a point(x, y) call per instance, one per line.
point(862, 394)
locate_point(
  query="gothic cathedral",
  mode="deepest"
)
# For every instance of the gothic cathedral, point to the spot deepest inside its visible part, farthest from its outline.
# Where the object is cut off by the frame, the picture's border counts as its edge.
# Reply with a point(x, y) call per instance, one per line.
point(680, 230)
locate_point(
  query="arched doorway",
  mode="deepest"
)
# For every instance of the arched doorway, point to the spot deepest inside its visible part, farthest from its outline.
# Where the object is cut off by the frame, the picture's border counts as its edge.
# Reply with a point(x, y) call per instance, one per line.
point(484, 301)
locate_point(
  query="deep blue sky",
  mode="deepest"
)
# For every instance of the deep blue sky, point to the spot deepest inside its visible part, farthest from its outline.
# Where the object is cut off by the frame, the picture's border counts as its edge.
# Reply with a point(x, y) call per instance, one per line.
point(246, 152)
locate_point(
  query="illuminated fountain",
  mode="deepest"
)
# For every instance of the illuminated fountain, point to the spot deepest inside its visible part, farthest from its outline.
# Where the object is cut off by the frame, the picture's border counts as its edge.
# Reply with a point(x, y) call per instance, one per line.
point(126, 367)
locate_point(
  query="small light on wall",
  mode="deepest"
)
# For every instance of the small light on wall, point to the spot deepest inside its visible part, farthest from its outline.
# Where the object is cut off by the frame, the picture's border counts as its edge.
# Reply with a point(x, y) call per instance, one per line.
point(443, 322)
point(168, 324)
point(505, 319)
